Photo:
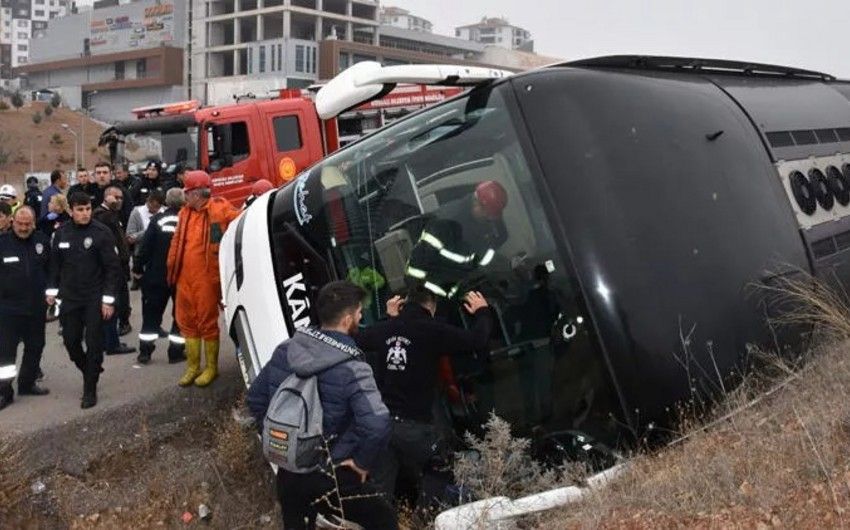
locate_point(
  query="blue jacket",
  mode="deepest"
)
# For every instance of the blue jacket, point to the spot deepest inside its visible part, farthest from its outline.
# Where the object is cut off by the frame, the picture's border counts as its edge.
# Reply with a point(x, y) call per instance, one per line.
point(355, 419)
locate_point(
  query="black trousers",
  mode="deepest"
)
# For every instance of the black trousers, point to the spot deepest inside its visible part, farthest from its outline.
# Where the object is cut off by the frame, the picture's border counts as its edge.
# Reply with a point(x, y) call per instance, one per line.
point(28, 329)
point(154, 301)
point(399, 473)
point(84, 322)
point(122, 303)
point(297, 493)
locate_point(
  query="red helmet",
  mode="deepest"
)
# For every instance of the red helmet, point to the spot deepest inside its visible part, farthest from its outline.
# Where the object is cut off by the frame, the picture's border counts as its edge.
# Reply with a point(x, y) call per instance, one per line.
point(196, 179)
point(492, 197)
point(260, 187)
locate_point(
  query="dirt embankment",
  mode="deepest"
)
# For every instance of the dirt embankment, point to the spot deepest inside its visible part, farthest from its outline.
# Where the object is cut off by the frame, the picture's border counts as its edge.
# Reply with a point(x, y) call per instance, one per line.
point(44, 146)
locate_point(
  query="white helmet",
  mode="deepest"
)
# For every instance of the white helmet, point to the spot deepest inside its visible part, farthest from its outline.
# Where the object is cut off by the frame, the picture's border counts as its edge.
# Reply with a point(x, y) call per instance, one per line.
point(7, 191)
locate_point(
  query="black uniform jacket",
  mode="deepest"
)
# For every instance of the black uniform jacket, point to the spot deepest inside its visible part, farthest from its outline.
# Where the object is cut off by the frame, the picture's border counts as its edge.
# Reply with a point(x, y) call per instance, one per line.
point(113, 221)
point(152, 259)
point(406, 351)
point(23, 273)
point(84, 265)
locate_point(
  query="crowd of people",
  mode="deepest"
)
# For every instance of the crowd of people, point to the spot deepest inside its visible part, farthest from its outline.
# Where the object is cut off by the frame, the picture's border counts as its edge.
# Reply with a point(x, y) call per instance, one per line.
point(70, 253)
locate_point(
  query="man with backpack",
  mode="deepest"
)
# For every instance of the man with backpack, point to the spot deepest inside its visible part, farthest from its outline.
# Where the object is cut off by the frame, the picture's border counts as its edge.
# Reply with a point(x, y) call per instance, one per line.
point(338, 410)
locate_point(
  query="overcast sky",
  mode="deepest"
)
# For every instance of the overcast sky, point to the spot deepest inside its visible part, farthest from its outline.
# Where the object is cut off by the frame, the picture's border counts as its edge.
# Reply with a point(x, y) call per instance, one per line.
point(810, 34)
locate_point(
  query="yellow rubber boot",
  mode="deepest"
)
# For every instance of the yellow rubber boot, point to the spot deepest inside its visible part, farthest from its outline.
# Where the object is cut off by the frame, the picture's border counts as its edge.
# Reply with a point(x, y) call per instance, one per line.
point(193, 362)
point(211, 369)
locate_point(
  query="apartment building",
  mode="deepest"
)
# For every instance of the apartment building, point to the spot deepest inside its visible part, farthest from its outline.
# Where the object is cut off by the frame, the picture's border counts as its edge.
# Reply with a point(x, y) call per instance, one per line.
point(497, 31)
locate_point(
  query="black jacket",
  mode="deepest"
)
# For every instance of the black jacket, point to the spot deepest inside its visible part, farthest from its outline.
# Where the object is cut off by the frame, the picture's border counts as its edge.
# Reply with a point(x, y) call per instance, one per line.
point(151, 261)
point(84, 265)
point(23, 274)
point(33, 198)
point(90, 189)
point(112, 220)
point(406, 350)
point(51, 222)
point(143, 187)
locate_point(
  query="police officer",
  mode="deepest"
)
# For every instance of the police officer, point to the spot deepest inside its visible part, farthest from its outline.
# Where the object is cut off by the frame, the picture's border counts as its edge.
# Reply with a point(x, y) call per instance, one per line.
point(150, 266)
point(84, 275)
point(24, 257)
point(33, 197)
point(406, 352)
point(151, 180)
point(109, 213)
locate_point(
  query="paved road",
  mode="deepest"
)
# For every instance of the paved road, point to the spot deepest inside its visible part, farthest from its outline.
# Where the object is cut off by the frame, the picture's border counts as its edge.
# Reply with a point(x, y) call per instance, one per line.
point(123, 382)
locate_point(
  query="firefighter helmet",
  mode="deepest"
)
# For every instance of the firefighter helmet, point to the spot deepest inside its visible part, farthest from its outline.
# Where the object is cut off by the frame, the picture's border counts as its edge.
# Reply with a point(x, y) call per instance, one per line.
point(261, 186)
point(196, 179)
point(492, 197)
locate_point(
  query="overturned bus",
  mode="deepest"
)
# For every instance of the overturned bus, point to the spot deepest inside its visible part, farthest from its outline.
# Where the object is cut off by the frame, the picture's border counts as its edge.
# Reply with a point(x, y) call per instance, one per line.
point(645, 198)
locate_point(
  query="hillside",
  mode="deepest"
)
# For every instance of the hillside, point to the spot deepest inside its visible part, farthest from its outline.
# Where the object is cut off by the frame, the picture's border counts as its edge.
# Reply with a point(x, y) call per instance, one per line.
point(47, 144)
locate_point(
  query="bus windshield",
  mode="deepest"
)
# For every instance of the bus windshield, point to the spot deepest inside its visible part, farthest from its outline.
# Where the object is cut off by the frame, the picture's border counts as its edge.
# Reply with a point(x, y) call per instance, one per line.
point(447, 200)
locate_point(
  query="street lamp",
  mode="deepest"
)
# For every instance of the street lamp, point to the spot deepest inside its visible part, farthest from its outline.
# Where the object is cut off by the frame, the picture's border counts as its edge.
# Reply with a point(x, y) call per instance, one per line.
point(76, 145)
point(86, 114)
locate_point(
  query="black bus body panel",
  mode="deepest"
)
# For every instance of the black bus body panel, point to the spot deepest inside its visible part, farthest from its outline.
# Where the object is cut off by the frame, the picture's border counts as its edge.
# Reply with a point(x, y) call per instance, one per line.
point(672, 211)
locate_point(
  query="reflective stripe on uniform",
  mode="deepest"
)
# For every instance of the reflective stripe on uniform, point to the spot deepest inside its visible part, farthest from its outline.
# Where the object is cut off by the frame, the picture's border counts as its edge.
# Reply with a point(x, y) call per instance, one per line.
point(167, 219)
point(8, 372)
point(148, 337)
point(52, 292)
point(434, 288)
point(416, 273)
point(488, 257)
point(176, 339)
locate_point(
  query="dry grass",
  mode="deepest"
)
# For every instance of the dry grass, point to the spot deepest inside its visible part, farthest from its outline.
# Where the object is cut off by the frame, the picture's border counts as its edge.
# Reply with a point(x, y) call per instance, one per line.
point(152, 483)
point(780, 460)
point(13, 485)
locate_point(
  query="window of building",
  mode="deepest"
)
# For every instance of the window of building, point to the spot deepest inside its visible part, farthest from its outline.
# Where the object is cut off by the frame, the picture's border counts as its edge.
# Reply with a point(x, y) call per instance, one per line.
point(41, 2)
point(344, 61)
point(119, 70)
point(23, 23)
point(141, 68)
point(273, 58)
point(249, 57)
point(262, 59)
point(39, 12)
point(357, 58)
point(54, 14)
point(299, 58)
point(22, 35)
point(280, 57)
point(314, 60)
point(287, 133)
point(22, 47)
point(23, 13)
point(22, 60)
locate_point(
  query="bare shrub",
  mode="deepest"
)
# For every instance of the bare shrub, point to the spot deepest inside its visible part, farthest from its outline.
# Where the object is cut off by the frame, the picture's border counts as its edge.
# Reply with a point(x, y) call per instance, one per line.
point(500, 464)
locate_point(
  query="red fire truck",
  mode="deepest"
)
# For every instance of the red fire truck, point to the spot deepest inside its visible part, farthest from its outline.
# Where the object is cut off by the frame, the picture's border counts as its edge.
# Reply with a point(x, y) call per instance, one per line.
point(273, 138)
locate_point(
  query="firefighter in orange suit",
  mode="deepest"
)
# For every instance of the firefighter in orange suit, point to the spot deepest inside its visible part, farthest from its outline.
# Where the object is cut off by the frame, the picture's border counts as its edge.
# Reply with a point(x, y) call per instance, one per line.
point(193, 270)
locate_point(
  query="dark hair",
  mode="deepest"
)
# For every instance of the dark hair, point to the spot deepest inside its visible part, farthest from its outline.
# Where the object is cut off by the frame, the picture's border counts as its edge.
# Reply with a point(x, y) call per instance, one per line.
point(336, 299)
point(156, 196)
point(5, 209)
point(79, 198)
point(112, 187)
point(55, 175)
point(81, 168)
point(103, 164)
point(418, 294)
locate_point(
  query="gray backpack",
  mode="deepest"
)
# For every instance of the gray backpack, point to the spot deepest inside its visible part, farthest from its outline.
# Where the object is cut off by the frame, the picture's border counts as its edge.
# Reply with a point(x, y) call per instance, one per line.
point(292, 429)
